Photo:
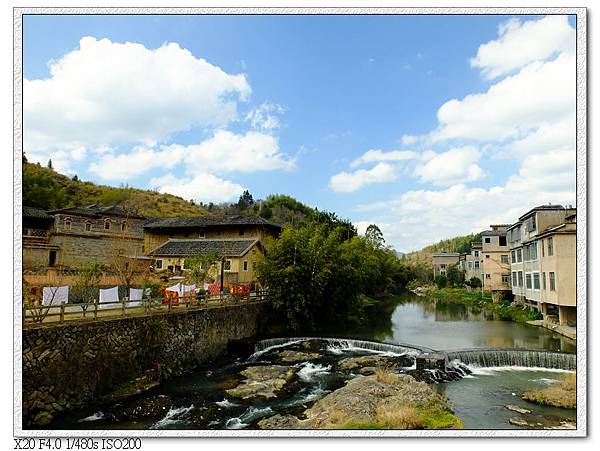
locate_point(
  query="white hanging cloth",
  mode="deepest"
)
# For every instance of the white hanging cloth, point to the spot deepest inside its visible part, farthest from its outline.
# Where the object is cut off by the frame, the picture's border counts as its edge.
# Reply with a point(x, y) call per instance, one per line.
point(135, 297)
point(55, 295)
point(109, 297)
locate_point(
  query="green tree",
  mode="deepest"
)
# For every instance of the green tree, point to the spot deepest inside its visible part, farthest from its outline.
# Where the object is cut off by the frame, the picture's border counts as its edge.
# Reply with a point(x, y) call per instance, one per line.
point(441, 281)
point(245, 201)
point(50, 164)
point(374, 235)
point(455, 276)
point(475, 282)
point(198, 266)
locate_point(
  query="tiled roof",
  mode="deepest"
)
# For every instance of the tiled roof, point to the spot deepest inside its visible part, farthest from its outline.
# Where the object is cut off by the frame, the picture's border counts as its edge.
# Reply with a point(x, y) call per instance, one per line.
point(446, 254)
point(224, 247)
point(97, 211)
point(208, 221)
point(31, 212)
point(542, 207)
point(493, 233)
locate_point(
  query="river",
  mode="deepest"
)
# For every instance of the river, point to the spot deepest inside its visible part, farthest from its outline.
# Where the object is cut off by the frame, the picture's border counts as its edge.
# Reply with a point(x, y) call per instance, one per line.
point(200, 400)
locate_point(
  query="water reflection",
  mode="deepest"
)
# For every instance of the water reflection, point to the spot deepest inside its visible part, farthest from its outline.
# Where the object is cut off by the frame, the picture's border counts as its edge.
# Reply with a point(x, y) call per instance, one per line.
point(445, 325)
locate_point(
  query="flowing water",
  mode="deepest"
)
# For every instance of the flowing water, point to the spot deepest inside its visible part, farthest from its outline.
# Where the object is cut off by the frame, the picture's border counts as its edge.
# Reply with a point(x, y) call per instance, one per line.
point(402, 329)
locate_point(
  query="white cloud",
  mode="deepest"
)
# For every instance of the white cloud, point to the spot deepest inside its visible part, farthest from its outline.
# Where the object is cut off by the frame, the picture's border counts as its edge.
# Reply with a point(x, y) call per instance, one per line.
point(222, 153)
point(556, 135)
point(264, 117)
point(541, 93)
point(106, 92)
point(229, 152)
point(376, 155)
point(520, 43)
point(347, 182)
point(409, 140)
point(201, 188)
point(137, 162)
point(450, 167)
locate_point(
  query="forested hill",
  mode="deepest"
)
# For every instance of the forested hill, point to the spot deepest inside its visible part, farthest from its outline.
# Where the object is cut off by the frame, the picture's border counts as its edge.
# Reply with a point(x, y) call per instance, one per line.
point(457, 244)
point(45, 188)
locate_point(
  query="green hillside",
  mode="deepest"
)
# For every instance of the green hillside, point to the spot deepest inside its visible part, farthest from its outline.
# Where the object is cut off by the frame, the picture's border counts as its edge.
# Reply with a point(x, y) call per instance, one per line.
point(47, 189)
point(457, 244)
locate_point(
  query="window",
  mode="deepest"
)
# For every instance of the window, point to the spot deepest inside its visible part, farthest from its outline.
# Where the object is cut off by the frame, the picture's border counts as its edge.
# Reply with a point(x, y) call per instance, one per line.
point(158, 264)
point(487, 240)
point(527, 253)
point(506, 279)
point(514, 278)
point(443, 266)
point(202, 234)
point(552, 278)
point(487, 256)
point(476, 263)
point(124, 226)
point(227, 265)
point(520, 274)
point(550, 248)
point(519, 256)
point(542, 247)
point(241, 232)
point(488, 276)
point(67, 223)
point(502, 240)
point(504, 259)
point(88, 226)
point(107, 224)
point(245, 265)
point(544, 279)
point(476, 253)
point(528, 281)
point(513, 256)
point(52, 258)
point(536, 280)
point(533, 251)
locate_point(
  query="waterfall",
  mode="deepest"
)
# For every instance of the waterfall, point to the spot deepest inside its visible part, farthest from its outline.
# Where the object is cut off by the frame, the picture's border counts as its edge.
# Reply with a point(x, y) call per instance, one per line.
point(339, 345)
point(515, 357)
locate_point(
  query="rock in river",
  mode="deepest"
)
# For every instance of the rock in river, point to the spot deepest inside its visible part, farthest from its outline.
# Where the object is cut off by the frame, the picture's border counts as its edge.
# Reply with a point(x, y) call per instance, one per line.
point(385, 400)
point(353, 363)
point(262, 381)
point(296, 356)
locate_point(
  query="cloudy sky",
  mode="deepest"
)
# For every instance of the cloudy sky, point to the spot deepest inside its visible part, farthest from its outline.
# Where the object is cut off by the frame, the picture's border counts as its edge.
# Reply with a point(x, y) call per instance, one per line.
point(429, 126)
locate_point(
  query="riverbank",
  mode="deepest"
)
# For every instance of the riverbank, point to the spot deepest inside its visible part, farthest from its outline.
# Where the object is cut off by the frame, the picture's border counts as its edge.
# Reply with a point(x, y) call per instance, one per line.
point(483, 300)
point(558, 394)
point(567, 331)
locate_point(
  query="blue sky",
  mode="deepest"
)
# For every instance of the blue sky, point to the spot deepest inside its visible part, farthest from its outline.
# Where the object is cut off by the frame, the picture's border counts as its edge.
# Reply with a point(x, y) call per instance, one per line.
point(430, 126)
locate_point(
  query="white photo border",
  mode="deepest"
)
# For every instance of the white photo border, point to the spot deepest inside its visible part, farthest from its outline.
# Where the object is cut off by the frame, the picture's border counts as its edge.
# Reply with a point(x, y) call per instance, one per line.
point(581, 161)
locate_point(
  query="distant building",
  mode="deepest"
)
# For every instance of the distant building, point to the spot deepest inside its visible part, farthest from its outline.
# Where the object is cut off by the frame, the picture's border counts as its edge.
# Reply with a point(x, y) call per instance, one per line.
point(103, 234)
point(238, 256)
point(494, 259)
point(38, 253)
point(472, 262)
point(543, 261)
point(159, 230)
point(441, 261)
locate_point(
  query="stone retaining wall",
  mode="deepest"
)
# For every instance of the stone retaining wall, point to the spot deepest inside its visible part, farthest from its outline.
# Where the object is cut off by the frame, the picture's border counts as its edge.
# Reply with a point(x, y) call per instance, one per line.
point(69, 366)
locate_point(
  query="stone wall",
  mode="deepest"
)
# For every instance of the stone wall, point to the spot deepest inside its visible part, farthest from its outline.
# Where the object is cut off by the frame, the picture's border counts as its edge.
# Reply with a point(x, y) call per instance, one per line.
point(71, 365)
point(78, 249)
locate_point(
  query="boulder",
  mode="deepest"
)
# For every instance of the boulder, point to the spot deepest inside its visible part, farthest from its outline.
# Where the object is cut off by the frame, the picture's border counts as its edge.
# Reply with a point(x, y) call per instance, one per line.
point(262, 381)
point(43, 419)
point(296, 356)
point(517, 409)
point(352, 363)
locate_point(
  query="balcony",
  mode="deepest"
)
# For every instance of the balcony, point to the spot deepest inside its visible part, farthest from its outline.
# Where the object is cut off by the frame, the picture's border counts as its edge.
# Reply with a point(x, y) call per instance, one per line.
point(35, 236)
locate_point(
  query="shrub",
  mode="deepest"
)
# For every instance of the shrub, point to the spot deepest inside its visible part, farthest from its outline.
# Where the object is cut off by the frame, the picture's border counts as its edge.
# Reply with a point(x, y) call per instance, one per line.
point(441, 281)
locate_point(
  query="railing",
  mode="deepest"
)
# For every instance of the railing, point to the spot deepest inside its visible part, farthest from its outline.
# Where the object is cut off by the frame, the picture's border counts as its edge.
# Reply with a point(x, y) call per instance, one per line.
point(36, 233)
point(34, 315)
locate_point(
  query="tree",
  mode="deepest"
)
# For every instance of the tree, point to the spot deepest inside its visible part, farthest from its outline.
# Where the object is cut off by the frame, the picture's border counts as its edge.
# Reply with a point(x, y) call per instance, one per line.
point(75, 178)
point(50, 164)
point(198, 267)
point(455, 276)
point(87, 284)
point(441, 281)
point(374, 235)
point(245, 201)
point(475, 282)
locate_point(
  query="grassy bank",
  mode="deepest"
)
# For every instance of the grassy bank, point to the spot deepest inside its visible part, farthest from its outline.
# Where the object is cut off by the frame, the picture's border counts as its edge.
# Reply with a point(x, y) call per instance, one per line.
point(559, 394)
point(505, 309)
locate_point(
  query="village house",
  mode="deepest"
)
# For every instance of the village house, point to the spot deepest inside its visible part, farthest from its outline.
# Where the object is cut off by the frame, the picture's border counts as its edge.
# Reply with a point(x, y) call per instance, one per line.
point(38, 253)
point(494, 259)
point(543, 244)
point(235, 257)
point(95, 233)
point(441, 261)
point(159, 230)
point(470, 261)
